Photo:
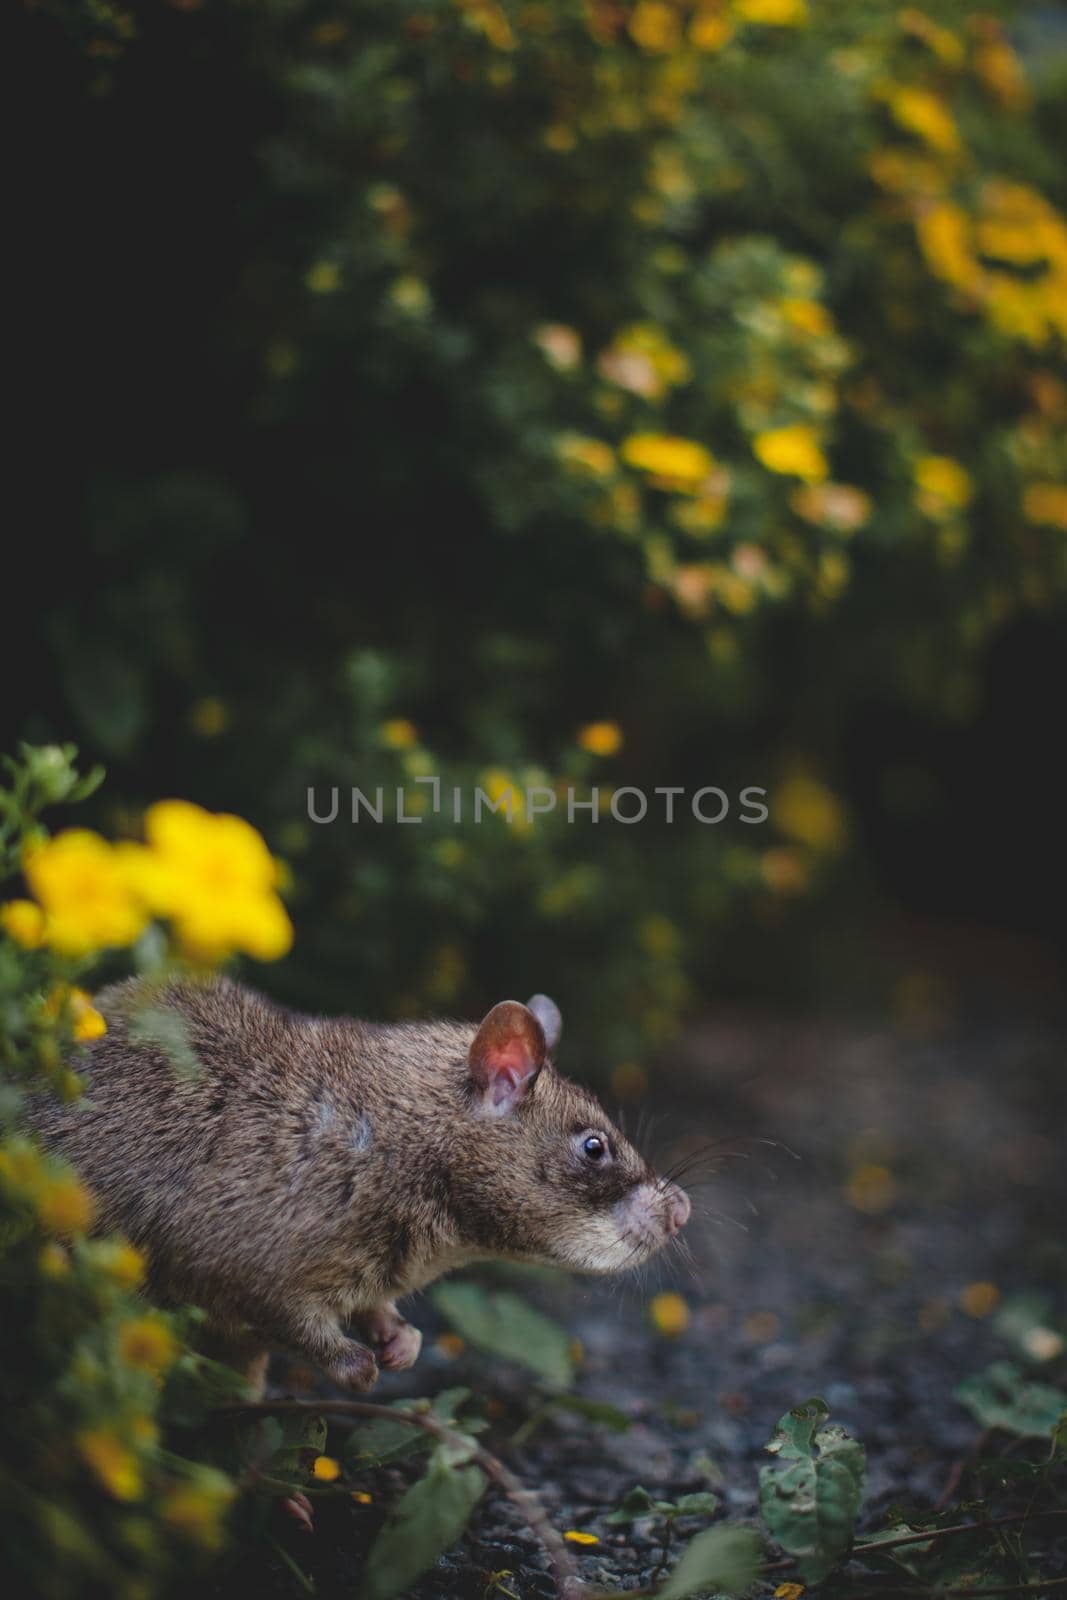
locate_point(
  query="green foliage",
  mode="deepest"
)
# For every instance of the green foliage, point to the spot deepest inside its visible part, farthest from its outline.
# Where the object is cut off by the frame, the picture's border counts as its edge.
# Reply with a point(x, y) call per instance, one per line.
point(378, 1442)
point(721, 1560)
point(423, 1523)
point(1001, 1397)
point(810, 1509)
point(503, 1324)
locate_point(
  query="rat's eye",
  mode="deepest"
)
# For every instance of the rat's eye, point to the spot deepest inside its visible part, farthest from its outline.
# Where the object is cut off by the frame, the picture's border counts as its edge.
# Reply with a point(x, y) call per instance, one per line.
point(594, 1148)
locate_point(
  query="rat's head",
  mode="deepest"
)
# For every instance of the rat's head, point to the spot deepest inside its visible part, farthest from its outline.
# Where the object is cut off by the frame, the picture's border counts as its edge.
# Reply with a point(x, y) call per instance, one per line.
point(552, 1179)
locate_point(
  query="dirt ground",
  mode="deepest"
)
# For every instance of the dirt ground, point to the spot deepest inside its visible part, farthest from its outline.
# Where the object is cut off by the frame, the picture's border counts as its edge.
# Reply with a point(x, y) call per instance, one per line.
point(861, 1184)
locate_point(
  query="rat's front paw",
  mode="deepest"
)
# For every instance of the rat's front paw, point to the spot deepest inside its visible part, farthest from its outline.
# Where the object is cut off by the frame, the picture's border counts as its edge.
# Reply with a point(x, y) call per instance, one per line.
point(400, 1349)
point(354, 1368)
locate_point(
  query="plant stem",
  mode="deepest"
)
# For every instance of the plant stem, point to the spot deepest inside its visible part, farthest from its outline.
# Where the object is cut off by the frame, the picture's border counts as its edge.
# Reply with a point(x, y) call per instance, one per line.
point(564, 1573)
point(932, 1533)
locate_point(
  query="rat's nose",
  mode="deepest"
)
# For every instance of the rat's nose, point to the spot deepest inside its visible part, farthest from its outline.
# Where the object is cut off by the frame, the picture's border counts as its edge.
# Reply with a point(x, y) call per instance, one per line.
point(676, 1211)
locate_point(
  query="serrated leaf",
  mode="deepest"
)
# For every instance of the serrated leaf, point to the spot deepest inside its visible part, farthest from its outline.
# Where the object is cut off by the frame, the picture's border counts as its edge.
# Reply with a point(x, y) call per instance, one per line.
point(794, 1432)
point(374, 1443)
point(504, 1324)
point(810, 1509)
point(725, 1560)
point(1001, 1397)
point(424, 1523)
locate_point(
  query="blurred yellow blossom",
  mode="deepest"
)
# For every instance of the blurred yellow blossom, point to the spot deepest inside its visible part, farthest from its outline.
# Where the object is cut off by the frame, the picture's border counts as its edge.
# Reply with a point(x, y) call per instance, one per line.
point(919, 111)
point(642, 360)
point(575, 1536)
point(671, 462)
point(1045, 504)
point(655, 25)
point(64, 1205)
point(711, 28)
point(326, 1469)
point(54, 1261)
point(979, 1299)
point(772, 13)
point(794, 450)
point(197, 1509)
point(324, 277)
point(600, 738)
point(120, 1261)
point(943, 486)
point(809, 316)
point(669, 1313)
point(560, 345)
point(24, 921)
point(84, 890)
point(837, 506)
point(450, 1345)
point(942, 41)
point(208, 717)
point(996, 66)
point(809, 812)
point(871, 1189)
point(214, 876)
point(114, 1464)
point(789, 1591)
point(147, 1342)
point(398, 734)
point(85, 1021)
point(591, 456)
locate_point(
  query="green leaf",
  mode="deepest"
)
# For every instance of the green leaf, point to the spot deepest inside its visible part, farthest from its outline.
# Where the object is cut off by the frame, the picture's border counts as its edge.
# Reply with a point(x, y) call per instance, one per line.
point(811, 1508)
point(794, 1434)
point(593, 1410)
point(1001, 1397)
point(423, 1524)
point(725, 1560)
point(502, 1323)
point(695, 1505)
point(635, 1504)
point(378, 1441)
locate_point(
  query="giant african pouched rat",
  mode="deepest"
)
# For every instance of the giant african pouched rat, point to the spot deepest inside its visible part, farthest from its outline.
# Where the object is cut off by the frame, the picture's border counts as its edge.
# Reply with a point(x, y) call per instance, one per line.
point(311, 1171)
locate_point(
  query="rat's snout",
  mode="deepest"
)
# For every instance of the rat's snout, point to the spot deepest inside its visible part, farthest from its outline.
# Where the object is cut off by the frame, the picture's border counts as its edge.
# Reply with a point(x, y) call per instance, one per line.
point(676, 1209)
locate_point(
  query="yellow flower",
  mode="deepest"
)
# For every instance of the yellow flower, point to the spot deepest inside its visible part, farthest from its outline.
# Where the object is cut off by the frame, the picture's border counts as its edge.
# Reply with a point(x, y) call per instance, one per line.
point(710, 28)
point(24, 921)
point(600, 738)
point(809, 812)
point(794, 451)
point(214, 876)
point(920, 112)
point(808, 316)
point(642, 360)
point(362, 1498)
point(671, 462)
point(773, 13)
point(585, 455)
point(1046, 504)
point(943, 486)
point(871, 1189)
point(575, 1536)
point(560, 345)
point(837, 506)
point(121, 1262)
point(197, 1509)
point(147, 1343)
point(944, 236)
point(115, 1466)
point(323, 278)
point(941, 41)
point(208, 717)
point(85, 1021)
point(658, 936)
point(81, 884)
point(326, 1469)
point(979, 1299)
point(789, 1591)
point(64, 1205)
point(53, 1261)
point(669, 1313)
point(398, 734)
point(655, 26)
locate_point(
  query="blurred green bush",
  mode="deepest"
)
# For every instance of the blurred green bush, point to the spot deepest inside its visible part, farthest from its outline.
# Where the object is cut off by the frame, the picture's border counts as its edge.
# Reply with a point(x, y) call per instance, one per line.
point(573, 393)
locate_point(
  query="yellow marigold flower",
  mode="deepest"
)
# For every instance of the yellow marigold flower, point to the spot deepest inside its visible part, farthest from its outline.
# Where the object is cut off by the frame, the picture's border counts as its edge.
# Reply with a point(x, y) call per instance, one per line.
point(116, 1467)
point(575, 1536)
point(997, 67)
point(642, 360)
point(871, 1189)
point(944, 44)
point(197, 1509)
point(324, 277)
point(943, 486)
point(398, 734)
point(488, 18)
point(326, 1469)
point(809, 316)
point(147, 1343)
point(669, 1314)
point(789, 1591)
point(86, 1022)
point(214, 876)
point(582, 454)
point(809, 812)
point(711, 28)
point(920, 112)
point(655, 26)
point(24, 921)
point(1045, 504)
point(670, 462)
point(121, 1262)
point(979, 1299)
point(794, 451)
point(944, 236)
point(773, 13)
point(362, 1498)
point(600, 738)
point(64, 1205)
point(88, 902)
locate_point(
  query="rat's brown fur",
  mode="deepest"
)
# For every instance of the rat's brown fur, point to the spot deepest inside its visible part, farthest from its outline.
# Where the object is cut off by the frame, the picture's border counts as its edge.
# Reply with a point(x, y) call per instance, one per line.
point(312, 1170)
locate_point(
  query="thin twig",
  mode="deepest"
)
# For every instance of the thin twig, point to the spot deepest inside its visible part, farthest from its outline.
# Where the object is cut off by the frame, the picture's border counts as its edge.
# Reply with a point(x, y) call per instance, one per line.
point(931, 1533)
point(564, 1573)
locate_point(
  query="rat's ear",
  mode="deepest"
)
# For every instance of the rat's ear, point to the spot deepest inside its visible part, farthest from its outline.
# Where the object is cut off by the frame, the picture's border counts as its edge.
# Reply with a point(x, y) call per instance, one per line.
point(547, 1013)
point(507, 1054)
